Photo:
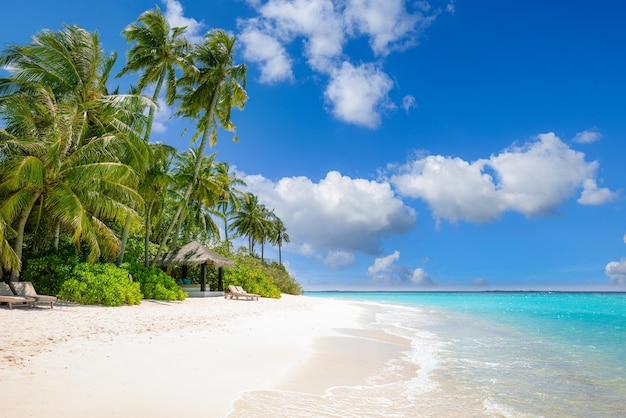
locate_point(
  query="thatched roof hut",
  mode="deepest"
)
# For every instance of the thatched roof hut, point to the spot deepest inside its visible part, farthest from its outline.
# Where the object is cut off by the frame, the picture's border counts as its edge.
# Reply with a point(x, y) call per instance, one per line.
point(196, 254)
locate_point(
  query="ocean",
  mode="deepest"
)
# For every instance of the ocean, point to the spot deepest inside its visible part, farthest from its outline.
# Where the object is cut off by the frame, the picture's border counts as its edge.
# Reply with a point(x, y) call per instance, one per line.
point(501, 354)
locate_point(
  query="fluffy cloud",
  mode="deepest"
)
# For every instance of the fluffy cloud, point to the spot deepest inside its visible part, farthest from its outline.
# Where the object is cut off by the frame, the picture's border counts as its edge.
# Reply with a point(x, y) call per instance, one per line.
point(337, 214)
point(531, 179)
point(587, 137)
point(616, 271)
point(260, 47)
point(593, 195)
point(386, 23)
point(382, 264)
point(385, 272)
point(175, 17)
point(339, 259)
point(354, 93)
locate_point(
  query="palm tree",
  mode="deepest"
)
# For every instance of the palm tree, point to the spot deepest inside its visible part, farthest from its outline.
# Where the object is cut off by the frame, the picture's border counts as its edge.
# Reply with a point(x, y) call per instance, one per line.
point(251, 221)
point(210, 88)
point(153, 187)
point(230, 202)
point(8, 258)
point(65, 134)
point(279, 236)
point(202, 202)
point(158, 50)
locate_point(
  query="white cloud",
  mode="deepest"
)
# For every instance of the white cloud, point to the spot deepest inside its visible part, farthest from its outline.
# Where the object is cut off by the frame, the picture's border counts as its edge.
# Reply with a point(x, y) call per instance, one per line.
point(532, 179)
point(339, 259)
point(317, 22)
point(262, 48)
point(357, 94)
point(383, 263)
point(337, 213)
point(175, 17)
point(408, 102)
point(387, 23)
point(421, 278)
point(385, 272)
point(592, 195)
point(616, 271)
point(324, 29)
point(587, 137)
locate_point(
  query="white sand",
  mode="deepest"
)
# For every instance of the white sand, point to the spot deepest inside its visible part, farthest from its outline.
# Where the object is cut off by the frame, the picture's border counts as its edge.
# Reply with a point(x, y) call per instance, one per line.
point(165, 359)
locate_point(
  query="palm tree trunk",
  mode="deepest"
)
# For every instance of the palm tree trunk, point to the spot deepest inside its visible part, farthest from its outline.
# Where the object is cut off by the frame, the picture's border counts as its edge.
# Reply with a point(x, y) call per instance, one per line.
point(146, 242)
point(18, 245)
point(57, 236)
point(125, 232)
point(185, 201)
point(179, 226)
point(155, 98)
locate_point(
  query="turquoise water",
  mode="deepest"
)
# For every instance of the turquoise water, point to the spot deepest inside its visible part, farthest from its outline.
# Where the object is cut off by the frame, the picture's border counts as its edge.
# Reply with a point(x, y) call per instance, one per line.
point(502, 353)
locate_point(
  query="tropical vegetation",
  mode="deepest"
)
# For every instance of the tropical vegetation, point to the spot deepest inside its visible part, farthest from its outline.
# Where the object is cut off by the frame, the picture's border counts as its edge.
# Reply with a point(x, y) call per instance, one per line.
point(86, 196)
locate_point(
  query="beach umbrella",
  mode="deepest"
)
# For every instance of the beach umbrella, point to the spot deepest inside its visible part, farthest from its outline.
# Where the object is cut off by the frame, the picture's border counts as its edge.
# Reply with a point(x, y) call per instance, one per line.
point(196, 254)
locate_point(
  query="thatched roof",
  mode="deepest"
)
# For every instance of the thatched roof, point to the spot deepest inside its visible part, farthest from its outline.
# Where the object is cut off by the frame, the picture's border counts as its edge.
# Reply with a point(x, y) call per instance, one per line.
point(194, 254)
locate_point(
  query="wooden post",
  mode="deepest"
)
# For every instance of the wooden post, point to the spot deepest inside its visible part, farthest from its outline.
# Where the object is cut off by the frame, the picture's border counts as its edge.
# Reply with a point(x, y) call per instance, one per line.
point(220, 279)
point(203, 277)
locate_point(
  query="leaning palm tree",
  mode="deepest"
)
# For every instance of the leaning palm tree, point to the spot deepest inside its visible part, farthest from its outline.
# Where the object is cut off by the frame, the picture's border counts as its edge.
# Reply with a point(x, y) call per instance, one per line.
point(204, 197)
point(80, 186)
point(65, 133)
point(210, 89)
point(158, 51)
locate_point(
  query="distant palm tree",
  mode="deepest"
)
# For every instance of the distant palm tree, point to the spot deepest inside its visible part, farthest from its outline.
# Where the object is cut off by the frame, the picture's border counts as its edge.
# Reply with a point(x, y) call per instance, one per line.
point(230, 202)
point(279, 236)
point(251, 221)
point(210, 88)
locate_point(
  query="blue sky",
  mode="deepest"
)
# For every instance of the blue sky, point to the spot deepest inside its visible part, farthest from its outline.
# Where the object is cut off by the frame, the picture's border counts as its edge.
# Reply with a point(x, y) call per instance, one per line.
point(411, 144)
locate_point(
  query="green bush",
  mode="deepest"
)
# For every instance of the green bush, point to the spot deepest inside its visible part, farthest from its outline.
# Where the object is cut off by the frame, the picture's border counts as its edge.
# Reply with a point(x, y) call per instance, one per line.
point(48, 273)
point(252, 279)
point(155, 283)
point(100, 284)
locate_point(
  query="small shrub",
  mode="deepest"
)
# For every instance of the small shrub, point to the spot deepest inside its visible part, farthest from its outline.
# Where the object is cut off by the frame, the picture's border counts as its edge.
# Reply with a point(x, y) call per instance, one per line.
point(155, 283)
point(48, 273)
point(100, 284)
point(252, 279)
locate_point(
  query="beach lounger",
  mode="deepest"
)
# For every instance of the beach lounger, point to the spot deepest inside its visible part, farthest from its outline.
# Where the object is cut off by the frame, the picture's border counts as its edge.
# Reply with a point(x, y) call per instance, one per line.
point(27, 289)
point(7, 296)
point(237, 292)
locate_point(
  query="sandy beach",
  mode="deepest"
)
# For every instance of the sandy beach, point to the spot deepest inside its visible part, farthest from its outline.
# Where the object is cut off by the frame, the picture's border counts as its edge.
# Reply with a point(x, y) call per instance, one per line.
point(193, 358)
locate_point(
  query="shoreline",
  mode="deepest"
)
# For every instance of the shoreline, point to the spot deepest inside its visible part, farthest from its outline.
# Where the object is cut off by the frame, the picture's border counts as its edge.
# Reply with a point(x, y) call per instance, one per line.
point(198, 357)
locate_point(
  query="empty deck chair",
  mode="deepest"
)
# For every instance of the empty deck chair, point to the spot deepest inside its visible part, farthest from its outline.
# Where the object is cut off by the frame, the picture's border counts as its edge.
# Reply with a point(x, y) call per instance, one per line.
point(27, 289)
point(237, 292)
point(7, 296)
